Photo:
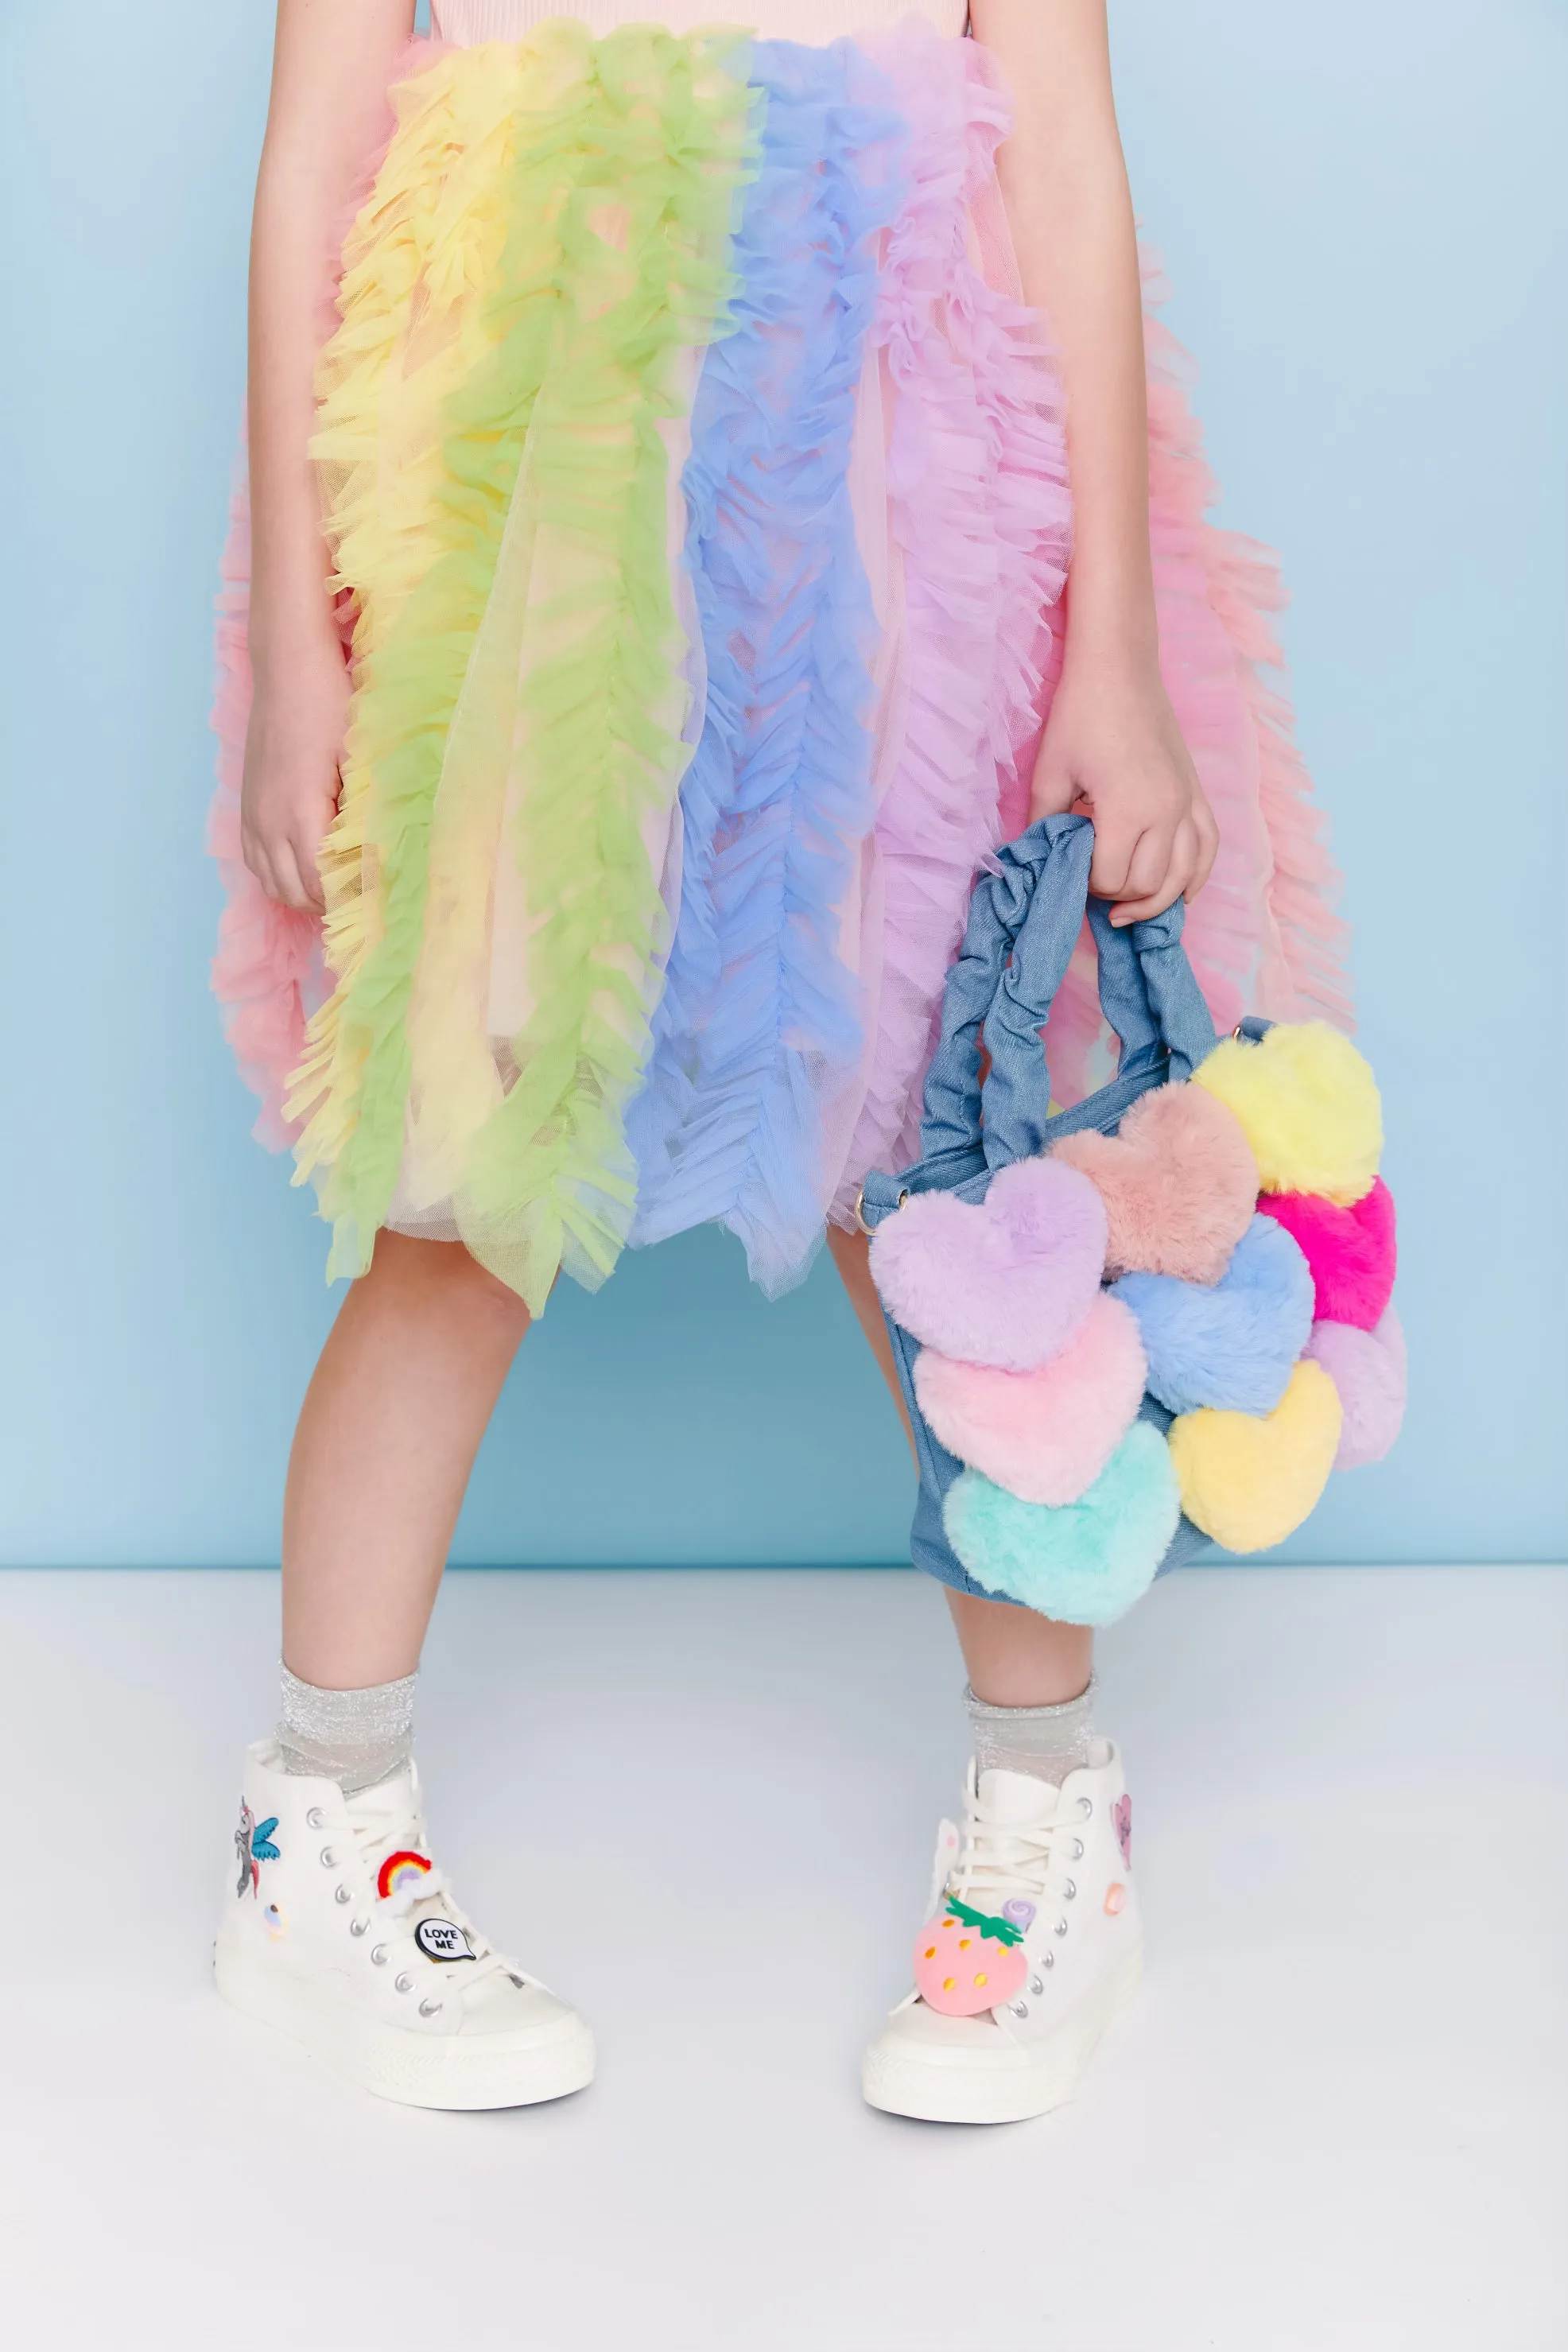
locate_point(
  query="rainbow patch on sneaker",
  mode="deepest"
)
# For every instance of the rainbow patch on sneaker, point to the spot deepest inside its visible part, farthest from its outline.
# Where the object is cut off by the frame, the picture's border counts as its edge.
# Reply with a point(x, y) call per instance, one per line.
point(403, 1868)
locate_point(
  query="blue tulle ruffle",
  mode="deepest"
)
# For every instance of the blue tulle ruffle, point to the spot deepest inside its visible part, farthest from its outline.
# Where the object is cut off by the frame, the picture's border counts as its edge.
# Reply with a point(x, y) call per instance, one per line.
point(758, 1010)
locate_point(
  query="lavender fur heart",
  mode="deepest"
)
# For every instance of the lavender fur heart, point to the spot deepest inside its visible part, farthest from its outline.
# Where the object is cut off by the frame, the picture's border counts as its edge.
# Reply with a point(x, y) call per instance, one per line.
point(1006, 1281)
point(1368, 1370)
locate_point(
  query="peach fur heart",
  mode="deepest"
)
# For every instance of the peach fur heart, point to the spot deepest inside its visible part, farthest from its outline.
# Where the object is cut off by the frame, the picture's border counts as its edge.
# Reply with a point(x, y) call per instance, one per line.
point(1045, 1435)
point(1179, 1183)
point(1352, 1251)
point(1007, 1281)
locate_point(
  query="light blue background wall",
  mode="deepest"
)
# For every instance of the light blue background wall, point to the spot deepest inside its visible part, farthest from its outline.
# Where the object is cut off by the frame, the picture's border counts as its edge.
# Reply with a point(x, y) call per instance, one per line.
point(1360, 205)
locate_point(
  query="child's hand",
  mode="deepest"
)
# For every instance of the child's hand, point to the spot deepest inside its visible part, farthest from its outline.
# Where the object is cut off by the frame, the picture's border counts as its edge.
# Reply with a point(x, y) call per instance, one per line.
point(292, 749)
point(1112, 752)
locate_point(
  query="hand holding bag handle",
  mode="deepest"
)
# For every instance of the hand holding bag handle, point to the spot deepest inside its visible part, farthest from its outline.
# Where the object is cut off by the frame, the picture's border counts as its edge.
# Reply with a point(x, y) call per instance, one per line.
point(1024, 924)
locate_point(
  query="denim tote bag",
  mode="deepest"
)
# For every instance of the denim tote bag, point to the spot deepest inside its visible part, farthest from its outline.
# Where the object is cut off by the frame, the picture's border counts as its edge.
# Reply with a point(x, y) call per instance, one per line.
point(1024, 920)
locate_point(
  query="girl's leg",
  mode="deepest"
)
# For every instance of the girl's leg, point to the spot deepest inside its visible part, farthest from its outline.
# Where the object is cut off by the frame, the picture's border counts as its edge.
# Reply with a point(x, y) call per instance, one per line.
point(851, 1254)
point(1003, 2018)
point(1016, 1659)
point(387, 1436)
point(339, 1929)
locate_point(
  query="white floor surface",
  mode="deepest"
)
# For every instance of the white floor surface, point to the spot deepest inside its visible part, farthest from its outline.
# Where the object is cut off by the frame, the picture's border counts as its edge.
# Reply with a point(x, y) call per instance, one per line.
point(702, 1805)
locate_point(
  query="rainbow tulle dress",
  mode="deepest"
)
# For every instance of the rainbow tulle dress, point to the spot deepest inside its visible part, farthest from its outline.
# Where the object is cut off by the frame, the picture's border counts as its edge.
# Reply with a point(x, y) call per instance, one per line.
point(696, 483)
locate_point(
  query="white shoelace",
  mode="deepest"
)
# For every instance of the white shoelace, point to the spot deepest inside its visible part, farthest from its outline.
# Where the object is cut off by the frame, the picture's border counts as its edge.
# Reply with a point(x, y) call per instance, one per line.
point(1001, 1858)
point(379, 1828)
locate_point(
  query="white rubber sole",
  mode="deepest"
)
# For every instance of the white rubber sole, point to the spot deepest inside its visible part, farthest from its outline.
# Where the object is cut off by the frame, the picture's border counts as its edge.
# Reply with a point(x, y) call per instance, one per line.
point(415, 2070)
point(942, 2086)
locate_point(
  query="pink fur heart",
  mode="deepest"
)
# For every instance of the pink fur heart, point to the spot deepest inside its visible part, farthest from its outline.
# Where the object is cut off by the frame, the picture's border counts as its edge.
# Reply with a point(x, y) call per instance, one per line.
point(1045, 1435)
point(1006, 1281)
point(1179, 1183)
point(1368, 1370)
point(1352, 1252)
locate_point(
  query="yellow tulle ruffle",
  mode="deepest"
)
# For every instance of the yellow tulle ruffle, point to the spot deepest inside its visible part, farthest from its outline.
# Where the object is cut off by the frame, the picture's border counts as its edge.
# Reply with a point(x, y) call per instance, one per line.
point(545, 245)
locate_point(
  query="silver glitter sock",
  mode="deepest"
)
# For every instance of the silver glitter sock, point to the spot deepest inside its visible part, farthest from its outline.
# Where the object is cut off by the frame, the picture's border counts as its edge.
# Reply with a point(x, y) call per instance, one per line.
point(356, 1737)
point(1046, 1742)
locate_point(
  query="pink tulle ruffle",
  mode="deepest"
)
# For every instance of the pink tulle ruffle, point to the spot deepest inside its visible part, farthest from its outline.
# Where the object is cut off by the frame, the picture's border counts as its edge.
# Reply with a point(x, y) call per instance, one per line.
point(267, 974)
point(1263, 936)
point(979, 511)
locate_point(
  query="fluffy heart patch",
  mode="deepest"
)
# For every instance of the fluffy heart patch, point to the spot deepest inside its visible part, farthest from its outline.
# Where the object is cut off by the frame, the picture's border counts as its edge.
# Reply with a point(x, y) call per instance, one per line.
point(1087, 1562)
point(1368, 1370)
point(1178, 1181)
point(1352, 1252)
point(1232, 1344)
point(1045, 1435)
point(1006, 1281)
point(1249, 1480)
point(1308, 1103)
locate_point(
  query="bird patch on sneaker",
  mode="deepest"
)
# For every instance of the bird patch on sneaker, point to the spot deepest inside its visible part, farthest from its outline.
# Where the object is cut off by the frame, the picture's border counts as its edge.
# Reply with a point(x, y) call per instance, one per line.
point(253, 1844)
point(443, 1939)
point(403, 1868)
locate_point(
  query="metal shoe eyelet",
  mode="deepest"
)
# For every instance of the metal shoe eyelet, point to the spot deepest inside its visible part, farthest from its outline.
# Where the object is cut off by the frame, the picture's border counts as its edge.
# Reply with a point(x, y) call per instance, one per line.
point(1077, 1849)
point(1061, 1928)
point(431, 2007)
point(1047, 1960)
point(342, 1895)
point(328, 1859)
point(358, 1926)
point(315, 1819)
point(404, 1984)
point(1086, 1806)
point(1070, 1889)
point(1020, 2008)
point(378, 1955)
point(1037, 1984)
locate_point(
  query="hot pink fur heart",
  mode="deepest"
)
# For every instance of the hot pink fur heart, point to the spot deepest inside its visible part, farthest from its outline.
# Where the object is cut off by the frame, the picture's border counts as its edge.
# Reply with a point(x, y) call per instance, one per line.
point(1045, 1435)
point(1179, 1183)
point(1352, 1252)
point(1368, 1370)
point(1007, 1281)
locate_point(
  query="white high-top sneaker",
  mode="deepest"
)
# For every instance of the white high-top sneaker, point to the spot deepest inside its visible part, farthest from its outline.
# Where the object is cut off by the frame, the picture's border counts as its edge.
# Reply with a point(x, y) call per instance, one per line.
point(1033, 1945)
point(340, 1930)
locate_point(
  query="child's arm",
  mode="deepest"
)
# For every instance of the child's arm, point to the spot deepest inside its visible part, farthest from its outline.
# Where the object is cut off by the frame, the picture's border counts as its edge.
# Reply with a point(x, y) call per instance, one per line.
point(1112, 745)
point(330, 67)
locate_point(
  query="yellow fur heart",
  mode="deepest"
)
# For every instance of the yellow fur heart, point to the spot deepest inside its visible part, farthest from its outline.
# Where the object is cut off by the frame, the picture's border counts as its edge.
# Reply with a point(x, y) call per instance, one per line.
point(1308, 1104)
point(1250, 1479)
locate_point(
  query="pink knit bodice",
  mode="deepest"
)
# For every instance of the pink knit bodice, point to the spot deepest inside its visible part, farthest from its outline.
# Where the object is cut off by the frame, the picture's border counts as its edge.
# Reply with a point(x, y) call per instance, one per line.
point(467, 22)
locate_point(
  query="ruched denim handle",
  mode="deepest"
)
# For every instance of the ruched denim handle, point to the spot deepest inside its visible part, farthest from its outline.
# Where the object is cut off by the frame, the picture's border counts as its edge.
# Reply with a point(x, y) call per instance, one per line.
point(1024, 924)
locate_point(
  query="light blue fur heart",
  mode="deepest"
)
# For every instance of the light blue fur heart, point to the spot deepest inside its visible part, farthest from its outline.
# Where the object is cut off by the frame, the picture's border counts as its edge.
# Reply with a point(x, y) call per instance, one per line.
point(1233, 1345)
